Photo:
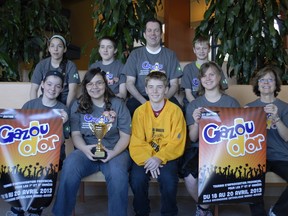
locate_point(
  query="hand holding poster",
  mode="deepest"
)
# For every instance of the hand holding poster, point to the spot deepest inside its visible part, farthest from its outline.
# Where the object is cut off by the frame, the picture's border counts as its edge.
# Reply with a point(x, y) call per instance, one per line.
point(232, 154)
point(30, 142)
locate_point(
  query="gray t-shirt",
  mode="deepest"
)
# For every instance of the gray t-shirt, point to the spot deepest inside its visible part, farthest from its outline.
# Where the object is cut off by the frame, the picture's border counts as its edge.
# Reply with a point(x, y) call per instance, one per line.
point(114, 74)
point(80, 122)
point(201, 101)
point(71, 75)
point(37, 104)
point(190, 79)
point(277, 148)
point(141, 62)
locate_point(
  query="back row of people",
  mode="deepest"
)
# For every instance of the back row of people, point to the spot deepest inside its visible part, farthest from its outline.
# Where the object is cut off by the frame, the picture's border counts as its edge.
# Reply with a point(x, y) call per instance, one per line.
point(152, 77)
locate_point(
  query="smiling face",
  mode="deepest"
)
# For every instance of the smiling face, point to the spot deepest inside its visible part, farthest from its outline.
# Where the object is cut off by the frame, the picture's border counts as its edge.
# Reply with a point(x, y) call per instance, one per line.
point(107, 50)
point(210, 79)
point(153, 34)
point(56, 49)
point(96, 87)
point(267, 84)
point(156, 90)
point(201, 50)
point(52, 87)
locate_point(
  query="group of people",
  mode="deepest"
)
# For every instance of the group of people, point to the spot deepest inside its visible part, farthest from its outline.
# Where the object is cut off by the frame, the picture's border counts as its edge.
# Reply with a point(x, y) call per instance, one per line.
point(153, 135)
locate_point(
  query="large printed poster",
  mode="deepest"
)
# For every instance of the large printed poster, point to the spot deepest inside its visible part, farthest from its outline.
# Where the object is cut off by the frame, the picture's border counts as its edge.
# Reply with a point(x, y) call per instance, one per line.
point(232, 154)
point(30, 143)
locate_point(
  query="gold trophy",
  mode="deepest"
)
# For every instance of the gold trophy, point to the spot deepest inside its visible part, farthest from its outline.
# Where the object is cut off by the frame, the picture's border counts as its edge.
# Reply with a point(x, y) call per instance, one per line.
point(99, 130)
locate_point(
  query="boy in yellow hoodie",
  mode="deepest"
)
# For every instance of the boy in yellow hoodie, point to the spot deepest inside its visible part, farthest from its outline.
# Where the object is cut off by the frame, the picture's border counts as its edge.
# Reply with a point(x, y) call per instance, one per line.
point(157, 141)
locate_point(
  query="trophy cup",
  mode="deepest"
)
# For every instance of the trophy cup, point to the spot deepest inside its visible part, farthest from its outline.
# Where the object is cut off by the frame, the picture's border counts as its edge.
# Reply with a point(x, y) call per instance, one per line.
point(99, 130)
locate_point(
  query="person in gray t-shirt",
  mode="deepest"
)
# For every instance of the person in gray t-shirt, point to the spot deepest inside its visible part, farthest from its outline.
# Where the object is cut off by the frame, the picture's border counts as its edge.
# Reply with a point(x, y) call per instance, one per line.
point(190, 81)
point(52, 85)
point(111, 66)
point(152, 57)
point(57, 62)
point(97, 104)
point(211, 95)
point(266, 85)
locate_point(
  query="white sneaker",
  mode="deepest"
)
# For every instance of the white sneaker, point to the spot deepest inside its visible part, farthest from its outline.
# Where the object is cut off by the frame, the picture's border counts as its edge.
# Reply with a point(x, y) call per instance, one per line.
point(203, 212)
point(10, 213)
point(271, 213)
point(15, 212)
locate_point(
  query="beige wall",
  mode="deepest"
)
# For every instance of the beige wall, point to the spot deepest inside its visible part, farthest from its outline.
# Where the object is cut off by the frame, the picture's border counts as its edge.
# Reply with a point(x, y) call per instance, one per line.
point(14, 95)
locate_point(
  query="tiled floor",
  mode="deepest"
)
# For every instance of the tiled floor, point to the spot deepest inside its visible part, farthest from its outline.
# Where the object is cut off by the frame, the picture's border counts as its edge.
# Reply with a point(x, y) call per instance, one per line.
point(97, 206)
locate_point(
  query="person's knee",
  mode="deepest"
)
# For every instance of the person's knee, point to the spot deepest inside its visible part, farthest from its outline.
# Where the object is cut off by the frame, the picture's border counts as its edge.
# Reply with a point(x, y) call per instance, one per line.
point(138, 181)
point(119, 186)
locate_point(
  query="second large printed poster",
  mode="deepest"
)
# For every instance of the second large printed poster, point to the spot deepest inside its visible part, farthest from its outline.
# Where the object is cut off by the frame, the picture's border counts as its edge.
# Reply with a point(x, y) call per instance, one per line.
point(30, 142)
point(232, 154)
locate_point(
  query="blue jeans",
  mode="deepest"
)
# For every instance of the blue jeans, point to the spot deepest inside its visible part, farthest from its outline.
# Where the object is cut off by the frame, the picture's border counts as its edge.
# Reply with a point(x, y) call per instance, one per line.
point(77, 166)
point(281, 206)
point(168, 183)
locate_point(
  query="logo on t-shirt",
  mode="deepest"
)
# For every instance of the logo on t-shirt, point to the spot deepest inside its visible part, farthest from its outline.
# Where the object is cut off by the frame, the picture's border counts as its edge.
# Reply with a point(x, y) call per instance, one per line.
point(147, 67)
point(111, 79)
point(195, 84)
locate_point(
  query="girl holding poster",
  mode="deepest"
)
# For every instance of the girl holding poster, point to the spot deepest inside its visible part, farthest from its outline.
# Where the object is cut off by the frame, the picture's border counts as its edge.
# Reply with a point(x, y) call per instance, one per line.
point(266, 85)
point(97, 115)
point(211, 95)
point(51, 86)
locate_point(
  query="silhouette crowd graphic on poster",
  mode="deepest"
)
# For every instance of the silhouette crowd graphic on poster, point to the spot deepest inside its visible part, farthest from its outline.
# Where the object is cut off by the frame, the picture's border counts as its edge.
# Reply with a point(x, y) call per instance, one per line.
point(232, 155)
point(30, 143)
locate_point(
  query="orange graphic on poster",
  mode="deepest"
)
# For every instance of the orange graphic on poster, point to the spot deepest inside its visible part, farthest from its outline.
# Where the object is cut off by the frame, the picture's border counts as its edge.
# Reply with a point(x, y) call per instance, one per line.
point(30, 142)
point(232, 154)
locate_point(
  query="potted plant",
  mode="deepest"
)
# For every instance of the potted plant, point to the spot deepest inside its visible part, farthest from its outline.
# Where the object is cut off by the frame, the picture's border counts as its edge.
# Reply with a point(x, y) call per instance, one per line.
point(25, 26)
point(123, 20)
point(245, 31)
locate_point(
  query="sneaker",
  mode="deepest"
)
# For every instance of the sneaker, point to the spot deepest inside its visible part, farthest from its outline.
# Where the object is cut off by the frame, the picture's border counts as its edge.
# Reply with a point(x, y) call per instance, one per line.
point(10, 213)
point(271, 213)
point(203, 212)
point(15, 212)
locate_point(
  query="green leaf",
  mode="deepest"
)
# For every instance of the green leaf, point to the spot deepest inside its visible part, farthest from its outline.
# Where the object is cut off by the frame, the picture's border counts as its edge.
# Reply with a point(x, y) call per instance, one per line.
point(124, 20)
point(246, 31)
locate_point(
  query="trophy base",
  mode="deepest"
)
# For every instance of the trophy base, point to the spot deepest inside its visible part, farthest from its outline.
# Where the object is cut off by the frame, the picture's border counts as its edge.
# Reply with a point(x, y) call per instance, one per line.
point(99, 154)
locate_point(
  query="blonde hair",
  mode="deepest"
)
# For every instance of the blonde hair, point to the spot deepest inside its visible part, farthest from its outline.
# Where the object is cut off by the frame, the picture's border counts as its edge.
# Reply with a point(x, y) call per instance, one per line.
point(158, 76)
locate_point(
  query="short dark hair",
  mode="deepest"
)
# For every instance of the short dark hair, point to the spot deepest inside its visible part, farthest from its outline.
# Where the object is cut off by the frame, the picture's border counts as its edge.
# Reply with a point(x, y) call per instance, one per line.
point(109, 38)
point(261, 73)
point(54, 73)
point(201, 39)
point(154, 20)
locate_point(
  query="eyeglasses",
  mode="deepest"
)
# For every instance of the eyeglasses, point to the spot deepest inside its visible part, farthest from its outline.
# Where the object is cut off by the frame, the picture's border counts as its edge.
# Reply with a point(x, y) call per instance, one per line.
point(96, 84)
point(262, 80)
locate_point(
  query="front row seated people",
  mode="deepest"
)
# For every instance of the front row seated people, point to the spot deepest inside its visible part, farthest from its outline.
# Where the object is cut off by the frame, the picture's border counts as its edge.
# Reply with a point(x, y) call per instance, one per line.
point(96, 101)
point(152, 155)
point(267, 85)
point(51, 85)
point(211, 95)
point(157, 141)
